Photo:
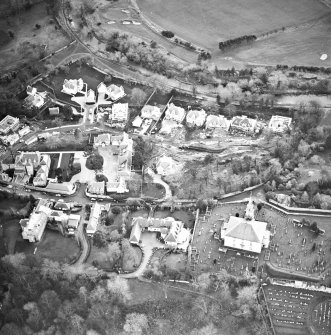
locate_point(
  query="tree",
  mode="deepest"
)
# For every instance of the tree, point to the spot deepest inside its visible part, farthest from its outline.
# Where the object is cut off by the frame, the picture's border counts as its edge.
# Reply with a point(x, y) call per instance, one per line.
point(143, 151)
point(167, 34)
point(114, 252)
point(135, 323)
point(67, 112)
point(138, 96)
point(115, 235)
point(94, 162)
point(78, 134)
point(108, 79)
point(100, 177)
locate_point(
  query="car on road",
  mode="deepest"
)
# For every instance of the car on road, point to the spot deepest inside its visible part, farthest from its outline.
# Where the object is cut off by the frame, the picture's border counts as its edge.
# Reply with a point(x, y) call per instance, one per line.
point(10, 186)
point(93, 199)
point(57, 195)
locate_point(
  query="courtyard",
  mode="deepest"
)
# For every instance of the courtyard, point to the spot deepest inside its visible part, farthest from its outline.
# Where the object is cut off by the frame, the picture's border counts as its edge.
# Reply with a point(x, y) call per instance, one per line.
point(208, 253)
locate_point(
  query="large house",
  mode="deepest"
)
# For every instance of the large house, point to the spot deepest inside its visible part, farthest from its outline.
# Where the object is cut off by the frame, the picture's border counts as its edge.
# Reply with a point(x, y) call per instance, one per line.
point(95, 187)
point(34, 227)
point(172, 232)
point(117, 186)
point(102, 140)
point(94, 219)
point(11, 139)
point(34, 98)
point(24, 131)
point(112, 92)
point(243, 124)
point(217, 121)
point(246, 233)
point(61, 188)
point(9, 123)
point(279, 123)
point(42, 173)
point(196, 118)
point(73, 86)
point(175, 113)
point(120, 112)
point(165, 166)
point(151, 112)
point(26, 163)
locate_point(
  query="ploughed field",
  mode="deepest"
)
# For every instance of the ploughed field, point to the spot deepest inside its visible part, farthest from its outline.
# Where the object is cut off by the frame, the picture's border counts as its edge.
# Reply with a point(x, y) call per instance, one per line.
point(210, 21)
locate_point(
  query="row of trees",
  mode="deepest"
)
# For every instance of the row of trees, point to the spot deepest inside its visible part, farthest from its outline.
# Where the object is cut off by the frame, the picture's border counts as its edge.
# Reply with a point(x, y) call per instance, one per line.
point(235, 42)
point(301, 68)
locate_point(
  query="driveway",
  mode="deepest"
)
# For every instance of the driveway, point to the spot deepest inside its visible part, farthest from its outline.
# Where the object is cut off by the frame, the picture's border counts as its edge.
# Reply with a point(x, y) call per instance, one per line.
point(149, 242)
point(157, 179)
point(85, 175)
point(110, 163)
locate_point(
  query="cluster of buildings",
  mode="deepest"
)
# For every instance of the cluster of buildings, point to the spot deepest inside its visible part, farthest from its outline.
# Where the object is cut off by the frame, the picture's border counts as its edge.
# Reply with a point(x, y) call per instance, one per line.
point(57, 216)
point(33, 168)
point(35, 98)
point(148, 115)
point(99, 103)
point(121, 148)
point(11, 131)
point(171, 232)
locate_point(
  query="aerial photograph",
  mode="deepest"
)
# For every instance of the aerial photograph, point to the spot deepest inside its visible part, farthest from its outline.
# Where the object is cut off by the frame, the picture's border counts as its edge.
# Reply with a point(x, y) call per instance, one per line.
point(165, 167)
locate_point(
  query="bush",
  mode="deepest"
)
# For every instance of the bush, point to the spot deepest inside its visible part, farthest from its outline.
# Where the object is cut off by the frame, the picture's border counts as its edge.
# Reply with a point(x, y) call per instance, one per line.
point(94, 162)
point(167, 34)
point(116, 210)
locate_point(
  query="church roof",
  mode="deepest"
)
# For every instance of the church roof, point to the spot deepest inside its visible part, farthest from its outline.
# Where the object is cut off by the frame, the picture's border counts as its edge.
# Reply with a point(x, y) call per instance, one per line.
point(239, 228)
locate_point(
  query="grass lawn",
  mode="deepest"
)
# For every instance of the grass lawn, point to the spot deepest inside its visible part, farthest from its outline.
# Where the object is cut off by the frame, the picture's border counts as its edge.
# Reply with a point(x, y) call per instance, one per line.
point(23, 27)
point(153, 190)
point(303, 46)
point(211, 21)
point(65, 160)
point(53, 166)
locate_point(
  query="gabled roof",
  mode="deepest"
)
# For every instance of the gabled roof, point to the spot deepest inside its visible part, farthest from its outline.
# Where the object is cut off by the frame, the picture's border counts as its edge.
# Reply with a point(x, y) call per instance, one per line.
point(170, 238)
point(239, 228)
point(150, 112)
point(135, 233)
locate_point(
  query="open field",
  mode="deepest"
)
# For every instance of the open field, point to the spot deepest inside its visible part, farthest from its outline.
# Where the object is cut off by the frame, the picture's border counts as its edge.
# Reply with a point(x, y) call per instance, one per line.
point(294, 310)
point(24, 28)
point(208, 22)
point(299, 46)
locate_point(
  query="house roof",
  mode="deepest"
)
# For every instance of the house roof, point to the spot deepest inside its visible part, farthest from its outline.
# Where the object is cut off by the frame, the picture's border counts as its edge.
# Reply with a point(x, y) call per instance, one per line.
point(90, 97)
point(54, 110)
point(8, 121)
point(135, 233)
point(175, 113)
point(94, 218)
point(137, 121)
point(243, 122)
point(102, 138)
point(279, 123)
point(196, 117)
point(239, 228)
point(97, 187)
point(27, 157)
point(120, 111)
point(150, 112)
point(57, 187)
point(170, 238)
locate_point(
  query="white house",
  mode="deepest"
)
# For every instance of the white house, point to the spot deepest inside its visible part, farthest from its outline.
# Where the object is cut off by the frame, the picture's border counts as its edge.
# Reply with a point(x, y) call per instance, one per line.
point(165, 165)
point(175, 113)
point(34, 98)
point(62, 188)
point(243, 123)
point(90, 97)
point(196, 118)
point(9, 123)
point(119, 112)
point(24, 131)
point(217, 121)
point(94, 219)
point(118, 186)
point(172, 232)
point(31, 140)
point(95, 187)
point(137, 122)
point(279, 123)
point(72, 86)
point(112, 92)
point(102, 140)
point(151, 112)
point(73, 221)
point(12, 139)
point(34, 227)
point(54, 110)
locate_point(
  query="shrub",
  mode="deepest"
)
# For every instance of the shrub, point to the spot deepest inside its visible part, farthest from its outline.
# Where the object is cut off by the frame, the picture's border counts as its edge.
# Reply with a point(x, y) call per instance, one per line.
point(94, 162)
point(167, 34)
point(116, 210)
